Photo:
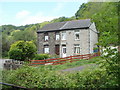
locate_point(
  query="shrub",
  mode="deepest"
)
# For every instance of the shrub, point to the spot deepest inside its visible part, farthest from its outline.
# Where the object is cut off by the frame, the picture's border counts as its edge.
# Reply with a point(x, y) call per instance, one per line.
point(31, 77)
point(41, 56)
point(111, 62)
point(16, 54)
point(55, 56)
point(22, 50)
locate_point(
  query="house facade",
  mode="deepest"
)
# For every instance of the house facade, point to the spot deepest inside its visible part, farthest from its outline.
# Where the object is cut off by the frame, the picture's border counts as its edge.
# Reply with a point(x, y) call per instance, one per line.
point(68, 38)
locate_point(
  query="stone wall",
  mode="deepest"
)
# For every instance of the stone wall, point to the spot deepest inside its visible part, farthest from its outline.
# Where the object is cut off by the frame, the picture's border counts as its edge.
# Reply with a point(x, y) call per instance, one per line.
point(12, 64)
point(51, 42)
point(87, 41)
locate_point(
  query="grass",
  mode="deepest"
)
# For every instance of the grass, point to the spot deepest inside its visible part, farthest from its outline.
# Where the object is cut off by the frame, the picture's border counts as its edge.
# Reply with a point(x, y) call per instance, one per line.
point(71, 65)
point(4, 57)
point(50, 77)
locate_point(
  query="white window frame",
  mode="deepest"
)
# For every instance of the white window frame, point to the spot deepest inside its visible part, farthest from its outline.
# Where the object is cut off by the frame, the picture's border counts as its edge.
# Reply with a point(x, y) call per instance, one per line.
point(63, 36)
point(46, 49)
point(77, 48)
point(46, 38)
point(77, 32)
point(57, 36)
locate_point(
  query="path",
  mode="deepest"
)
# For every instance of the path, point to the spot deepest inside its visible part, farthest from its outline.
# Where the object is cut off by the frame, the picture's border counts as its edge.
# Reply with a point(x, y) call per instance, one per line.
point(78, 68)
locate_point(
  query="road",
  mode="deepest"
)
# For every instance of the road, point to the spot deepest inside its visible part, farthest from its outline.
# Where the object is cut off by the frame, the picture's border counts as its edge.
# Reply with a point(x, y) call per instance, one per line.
point(78, 68)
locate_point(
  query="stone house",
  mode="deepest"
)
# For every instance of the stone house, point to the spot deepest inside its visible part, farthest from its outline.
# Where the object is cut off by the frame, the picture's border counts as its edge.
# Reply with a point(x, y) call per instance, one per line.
point(68, 38)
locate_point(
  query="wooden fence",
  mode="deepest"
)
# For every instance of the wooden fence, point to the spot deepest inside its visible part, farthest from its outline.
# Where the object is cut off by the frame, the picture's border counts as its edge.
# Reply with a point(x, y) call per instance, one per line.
point(57, 61)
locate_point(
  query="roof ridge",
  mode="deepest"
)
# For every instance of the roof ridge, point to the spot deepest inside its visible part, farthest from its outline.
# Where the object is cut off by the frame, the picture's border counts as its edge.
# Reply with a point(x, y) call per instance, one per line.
point(64, 24)
point(73, 24)
point(80, 19)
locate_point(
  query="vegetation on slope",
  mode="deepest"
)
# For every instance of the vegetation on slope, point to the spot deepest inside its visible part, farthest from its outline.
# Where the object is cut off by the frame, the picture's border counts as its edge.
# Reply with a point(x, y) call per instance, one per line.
point(50, 77)
point(105, 76)
point(105, 16)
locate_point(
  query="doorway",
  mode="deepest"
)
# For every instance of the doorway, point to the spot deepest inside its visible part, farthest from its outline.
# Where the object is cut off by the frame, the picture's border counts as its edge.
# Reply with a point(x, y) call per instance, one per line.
point(63, 51)
point(57, 48)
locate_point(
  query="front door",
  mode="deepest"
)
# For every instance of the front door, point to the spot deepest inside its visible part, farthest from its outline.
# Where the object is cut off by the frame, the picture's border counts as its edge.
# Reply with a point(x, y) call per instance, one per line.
point(57, 47)
point(64, 51)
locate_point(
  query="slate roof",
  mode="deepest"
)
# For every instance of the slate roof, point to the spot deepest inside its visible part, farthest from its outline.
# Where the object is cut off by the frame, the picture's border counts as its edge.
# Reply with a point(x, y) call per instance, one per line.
point(75, 24)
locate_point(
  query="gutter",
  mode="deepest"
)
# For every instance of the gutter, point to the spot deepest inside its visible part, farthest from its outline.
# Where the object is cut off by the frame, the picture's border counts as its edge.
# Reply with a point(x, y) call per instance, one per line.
point(61, 29)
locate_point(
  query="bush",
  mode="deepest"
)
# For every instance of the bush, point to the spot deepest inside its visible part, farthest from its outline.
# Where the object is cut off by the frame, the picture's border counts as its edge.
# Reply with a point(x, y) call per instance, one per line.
point(41, 56)
point(16, 54)
point(111, 62)
point(22, 50)
point(55, 56)
point(31, 77)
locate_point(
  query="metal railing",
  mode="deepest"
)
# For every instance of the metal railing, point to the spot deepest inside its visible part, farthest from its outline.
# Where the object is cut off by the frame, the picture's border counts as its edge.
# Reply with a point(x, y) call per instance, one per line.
point(14, 87)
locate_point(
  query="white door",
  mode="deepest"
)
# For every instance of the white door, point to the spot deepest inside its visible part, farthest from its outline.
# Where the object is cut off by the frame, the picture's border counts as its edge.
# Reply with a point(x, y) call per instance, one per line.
point(64, 51)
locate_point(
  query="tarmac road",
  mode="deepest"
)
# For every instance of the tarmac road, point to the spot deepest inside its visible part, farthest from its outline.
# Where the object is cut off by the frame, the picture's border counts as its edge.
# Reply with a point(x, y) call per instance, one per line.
point(79, 68)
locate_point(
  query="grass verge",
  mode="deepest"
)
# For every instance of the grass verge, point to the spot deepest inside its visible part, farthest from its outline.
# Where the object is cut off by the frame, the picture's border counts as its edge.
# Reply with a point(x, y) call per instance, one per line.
point(71, 65)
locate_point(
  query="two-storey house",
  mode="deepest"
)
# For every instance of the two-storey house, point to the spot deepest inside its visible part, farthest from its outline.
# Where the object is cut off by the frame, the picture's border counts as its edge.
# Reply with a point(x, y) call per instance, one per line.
point(68, 38)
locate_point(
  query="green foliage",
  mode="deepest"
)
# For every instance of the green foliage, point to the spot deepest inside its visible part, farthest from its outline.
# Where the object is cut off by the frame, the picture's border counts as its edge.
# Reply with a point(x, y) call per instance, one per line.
point(11, 33)
point(41, 56)
point(111, 62)
point(72, 65)
point(62, 19)
point(8, 28)
point(105, 17)
point(22, 50)
point(6, 42)
point(16, 54)
point(26, 35)
point(106, 39)
point(31, 77)
point(44, 23)
point(54, 56)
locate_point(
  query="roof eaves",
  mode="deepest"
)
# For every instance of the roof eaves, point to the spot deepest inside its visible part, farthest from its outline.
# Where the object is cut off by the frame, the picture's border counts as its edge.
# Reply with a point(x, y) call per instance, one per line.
point(61, 29)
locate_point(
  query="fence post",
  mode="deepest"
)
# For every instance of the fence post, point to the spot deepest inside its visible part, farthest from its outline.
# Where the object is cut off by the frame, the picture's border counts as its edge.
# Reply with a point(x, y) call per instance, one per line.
point(88, 56)
point(82, 56)
point(71, 58)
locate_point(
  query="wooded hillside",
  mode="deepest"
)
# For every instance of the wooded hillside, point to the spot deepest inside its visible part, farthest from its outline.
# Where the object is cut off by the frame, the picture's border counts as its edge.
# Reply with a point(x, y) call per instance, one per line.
point(104, 14)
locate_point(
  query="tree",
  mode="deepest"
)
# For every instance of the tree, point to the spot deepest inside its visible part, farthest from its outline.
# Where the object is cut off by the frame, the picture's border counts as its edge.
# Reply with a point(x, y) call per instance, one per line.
point(6, 42)
point(22, 50)
point(105, 17)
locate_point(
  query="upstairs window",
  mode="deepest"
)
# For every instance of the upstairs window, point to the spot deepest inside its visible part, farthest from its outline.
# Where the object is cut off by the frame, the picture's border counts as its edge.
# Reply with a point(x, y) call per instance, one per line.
point(63, 36)
point(77, 48)
point(77, 34)
point(46, 36)
point(46, 48)
point(57, 36)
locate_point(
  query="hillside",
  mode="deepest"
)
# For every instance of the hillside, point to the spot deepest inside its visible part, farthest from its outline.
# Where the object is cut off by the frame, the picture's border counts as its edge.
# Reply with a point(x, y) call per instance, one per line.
point(104, 15)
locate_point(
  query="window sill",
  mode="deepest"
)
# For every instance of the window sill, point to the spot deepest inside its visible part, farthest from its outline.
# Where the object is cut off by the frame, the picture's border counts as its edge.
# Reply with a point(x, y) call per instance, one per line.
point(46, 41)
point(77, 39)
point(76, 53)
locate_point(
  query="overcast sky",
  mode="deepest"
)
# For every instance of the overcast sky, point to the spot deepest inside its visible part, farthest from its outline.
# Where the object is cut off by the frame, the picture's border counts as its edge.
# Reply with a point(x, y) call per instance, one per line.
point(36, 11)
